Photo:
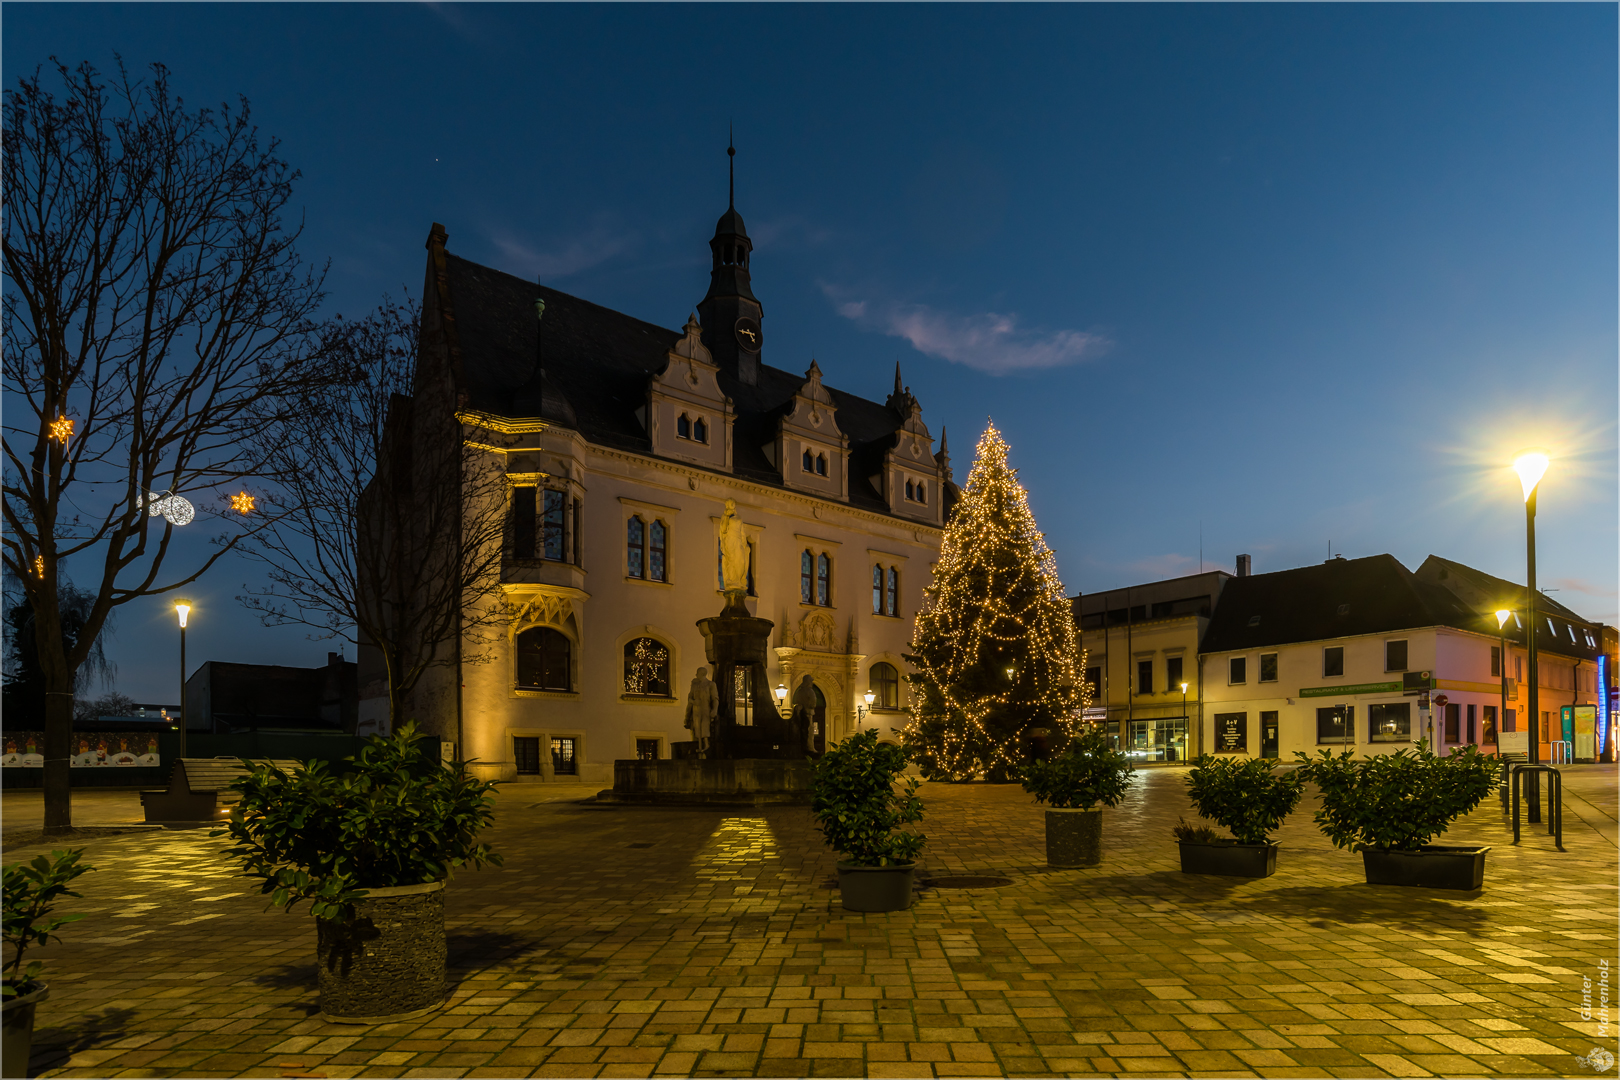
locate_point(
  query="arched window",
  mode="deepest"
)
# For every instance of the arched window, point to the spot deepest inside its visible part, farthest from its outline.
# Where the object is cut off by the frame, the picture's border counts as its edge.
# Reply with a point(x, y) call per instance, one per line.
point(635, 562)
point(877, 590)
point(700, 430)
point(885, 686)
point(893, 597)
point(911, 492)
point(922, 492)
point(655, 551)
point(807, 564)
point(824, 580)
point(543, 660)
point(683, 427)
point(809, 462)
point(646, 668)
point(821, 464)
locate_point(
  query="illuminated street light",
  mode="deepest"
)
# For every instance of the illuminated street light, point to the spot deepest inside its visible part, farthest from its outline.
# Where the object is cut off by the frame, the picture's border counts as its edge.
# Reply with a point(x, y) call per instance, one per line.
point(1531, 467)
point(182, 608)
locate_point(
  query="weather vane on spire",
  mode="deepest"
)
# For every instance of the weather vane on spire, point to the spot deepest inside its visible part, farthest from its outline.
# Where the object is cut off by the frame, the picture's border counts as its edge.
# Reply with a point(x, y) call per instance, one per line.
point(731, 164)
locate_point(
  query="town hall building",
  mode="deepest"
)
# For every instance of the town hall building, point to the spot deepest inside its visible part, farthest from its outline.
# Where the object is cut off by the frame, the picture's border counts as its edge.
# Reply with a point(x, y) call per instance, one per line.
point(620, 442)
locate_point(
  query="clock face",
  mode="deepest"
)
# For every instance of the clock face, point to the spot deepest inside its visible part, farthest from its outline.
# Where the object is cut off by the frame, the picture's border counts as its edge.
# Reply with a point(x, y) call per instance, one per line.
point(748, 334)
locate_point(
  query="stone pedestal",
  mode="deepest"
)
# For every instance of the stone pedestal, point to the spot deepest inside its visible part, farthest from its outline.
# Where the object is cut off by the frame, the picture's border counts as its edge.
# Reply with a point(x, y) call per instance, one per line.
point(748, 725)
point(713, 783)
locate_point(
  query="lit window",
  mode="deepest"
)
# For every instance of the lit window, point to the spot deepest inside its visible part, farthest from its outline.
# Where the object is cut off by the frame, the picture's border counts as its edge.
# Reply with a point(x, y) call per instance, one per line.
point(885, 686)
point(563, 762)
point(646, 668)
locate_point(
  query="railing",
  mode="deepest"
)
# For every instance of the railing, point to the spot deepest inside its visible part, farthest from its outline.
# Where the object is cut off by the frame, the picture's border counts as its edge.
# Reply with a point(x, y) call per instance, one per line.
point(1560, 752)
point(1555, 799)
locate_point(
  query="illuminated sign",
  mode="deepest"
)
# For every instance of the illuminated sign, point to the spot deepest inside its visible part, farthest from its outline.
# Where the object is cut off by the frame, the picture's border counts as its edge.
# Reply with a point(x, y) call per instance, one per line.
point(1603, 702)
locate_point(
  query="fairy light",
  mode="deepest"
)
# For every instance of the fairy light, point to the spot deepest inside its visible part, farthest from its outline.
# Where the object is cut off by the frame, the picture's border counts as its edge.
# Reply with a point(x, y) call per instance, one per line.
point(61, 429)
point(995, 590)
point(39, 567)
point(243, 503)
point(646, 668)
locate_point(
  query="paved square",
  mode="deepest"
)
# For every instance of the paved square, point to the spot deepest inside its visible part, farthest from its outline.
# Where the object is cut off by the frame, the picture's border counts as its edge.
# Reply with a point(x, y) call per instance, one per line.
point(720, 949)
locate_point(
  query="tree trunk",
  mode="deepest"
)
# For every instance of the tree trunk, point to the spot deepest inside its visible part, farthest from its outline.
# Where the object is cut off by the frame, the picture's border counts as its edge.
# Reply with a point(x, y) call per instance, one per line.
point(58, 751)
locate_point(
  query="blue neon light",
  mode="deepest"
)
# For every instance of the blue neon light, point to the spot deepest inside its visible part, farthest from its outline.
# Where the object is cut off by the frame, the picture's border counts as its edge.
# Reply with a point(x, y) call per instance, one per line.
point(1602, 700)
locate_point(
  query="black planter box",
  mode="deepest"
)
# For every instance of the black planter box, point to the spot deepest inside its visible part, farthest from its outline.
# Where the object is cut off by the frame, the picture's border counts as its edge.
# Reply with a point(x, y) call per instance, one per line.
point(1431, 867)
point(1228, 858)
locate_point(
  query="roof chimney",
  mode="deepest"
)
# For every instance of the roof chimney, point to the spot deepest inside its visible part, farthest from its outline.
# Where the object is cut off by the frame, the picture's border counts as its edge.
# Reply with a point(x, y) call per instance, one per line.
point(1243, 566)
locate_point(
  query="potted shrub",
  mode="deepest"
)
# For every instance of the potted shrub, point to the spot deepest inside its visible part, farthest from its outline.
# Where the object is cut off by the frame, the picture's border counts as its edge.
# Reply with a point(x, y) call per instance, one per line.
point(371, 850)
point(861, 815)
point(1071, 784)
point(30, 890)
point(1389, 806)
point(1245, 796)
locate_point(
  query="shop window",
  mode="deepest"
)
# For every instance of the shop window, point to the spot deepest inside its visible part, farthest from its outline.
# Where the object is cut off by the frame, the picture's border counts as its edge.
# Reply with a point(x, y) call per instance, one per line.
point(563, 759)
point(526, 754)
point(1333, 661)
point(646, 668)
point(1157, 740)
point(543, 656)
point(1389, 723)
point(1335, 724)
point(551, 525)
point(1487, 724)
point(1268, 667)
point(1394, 656)
point(1144, 676)
point(1238, 670)
point(824, 580)
point(1232, 733)
point(647, 749)
point(885, 686)
point(523, 522)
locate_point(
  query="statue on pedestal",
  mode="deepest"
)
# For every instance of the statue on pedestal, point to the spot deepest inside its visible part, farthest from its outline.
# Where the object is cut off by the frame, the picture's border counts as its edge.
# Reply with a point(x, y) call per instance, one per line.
point(702, 703)
point(733, 557)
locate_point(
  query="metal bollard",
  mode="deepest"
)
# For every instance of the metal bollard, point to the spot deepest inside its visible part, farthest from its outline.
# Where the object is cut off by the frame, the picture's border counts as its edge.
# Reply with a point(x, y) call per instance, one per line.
point(1555, 800)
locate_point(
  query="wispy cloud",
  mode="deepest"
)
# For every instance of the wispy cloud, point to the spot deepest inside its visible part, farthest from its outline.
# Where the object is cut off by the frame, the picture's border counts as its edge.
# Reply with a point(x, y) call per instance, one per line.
point(601, 243)
point(988, 342)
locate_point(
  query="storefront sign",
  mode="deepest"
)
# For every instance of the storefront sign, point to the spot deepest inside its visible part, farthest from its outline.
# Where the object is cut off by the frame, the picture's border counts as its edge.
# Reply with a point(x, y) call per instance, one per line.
point(91, 750)
point(1585, 732)
point(1353, 688)
point(1231, 733)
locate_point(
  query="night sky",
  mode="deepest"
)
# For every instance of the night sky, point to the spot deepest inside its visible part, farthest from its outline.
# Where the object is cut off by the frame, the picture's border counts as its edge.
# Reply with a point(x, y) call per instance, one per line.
point(1255, 278)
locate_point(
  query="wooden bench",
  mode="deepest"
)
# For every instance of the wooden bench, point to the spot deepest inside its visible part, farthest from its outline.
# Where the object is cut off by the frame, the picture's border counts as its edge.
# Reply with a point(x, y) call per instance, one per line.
point(200, 789)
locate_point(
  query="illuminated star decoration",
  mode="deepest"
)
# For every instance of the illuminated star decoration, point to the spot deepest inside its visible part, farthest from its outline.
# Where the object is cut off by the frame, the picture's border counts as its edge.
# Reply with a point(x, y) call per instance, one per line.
point(243, 503)
point(995, 594)
point(61, 429)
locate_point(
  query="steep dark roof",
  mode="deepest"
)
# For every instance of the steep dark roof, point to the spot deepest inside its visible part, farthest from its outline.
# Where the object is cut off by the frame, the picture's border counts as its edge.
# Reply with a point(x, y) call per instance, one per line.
point(1491, 589)
point(587, 369)
point(1484, 593)
point(1377, 593)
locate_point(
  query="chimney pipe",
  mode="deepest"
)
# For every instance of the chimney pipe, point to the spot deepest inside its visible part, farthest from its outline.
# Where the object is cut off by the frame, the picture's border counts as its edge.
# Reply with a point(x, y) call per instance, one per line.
point(1243, 566)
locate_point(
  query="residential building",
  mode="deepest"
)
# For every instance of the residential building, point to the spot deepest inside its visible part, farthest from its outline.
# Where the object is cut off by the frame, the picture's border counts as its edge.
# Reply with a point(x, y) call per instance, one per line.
point(223, 698)
point(1142, 661)
point(1337, 655)
point(622, 442)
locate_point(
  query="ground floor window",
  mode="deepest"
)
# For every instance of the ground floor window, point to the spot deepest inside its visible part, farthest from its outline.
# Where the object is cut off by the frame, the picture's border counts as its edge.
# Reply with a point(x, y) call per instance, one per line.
point(563, 762)
point(1157, 740)
point(647, 749)
point(1487, 724)
point(1389, 723)
point(1335, 723)
point(1232, 733)
point(526, 752)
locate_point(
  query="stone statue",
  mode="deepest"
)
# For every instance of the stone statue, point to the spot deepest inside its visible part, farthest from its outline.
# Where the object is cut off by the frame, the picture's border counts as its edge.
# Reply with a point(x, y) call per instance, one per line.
point(804, 710)
point(702, 705)
point(733, 554)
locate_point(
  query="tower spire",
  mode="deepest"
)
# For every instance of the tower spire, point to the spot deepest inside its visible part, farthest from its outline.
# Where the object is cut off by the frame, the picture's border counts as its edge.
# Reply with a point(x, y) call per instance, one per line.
point(897, 378)
point(731, 166)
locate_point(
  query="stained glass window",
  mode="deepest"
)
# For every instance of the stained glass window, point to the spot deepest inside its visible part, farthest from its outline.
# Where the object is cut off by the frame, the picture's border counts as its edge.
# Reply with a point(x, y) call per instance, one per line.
point(655, 551)
point(635, 550)
point(806, 577)
point(824, 580)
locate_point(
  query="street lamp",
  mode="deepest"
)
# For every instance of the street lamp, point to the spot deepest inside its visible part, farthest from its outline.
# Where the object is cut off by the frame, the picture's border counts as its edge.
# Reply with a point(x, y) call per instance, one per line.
point(781, 696)
point(182, 608)
point(1184, 717)
point(864, 709)
point(1531, 466)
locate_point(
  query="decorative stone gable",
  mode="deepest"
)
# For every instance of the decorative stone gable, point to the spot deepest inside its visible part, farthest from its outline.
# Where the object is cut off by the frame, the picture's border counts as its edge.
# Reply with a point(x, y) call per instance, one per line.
point(912, 480)
point(810, 448)
point(687, 415)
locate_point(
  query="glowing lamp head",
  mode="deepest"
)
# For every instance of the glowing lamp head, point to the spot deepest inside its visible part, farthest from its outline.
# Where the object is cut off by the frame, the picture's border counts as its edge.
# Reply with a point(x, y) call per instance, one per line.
point(781, 693)
point(182, 608)
point(1502, 617)
point(870, 697)
point(1530, 466)
point(1183, 688)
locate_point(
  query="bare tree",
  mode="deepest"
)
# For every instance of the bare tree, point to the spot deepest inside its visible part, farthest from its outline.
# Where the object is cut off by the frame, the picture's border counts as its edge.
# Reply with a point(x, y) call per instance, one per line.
point(154, 304)
point(388, 533)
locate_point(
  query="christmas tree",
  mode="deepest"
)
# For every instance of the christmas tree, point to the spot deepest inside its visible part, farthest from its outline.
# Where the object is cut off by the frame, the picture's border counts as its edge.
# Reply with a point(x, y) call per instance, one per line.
point(996, 653)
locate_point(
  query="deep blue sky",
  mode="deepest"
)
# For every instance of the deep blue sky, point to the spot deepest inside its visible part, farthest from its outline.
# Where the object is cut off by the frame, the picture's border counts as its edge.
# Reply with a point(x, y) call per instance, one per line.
point(1283, 275)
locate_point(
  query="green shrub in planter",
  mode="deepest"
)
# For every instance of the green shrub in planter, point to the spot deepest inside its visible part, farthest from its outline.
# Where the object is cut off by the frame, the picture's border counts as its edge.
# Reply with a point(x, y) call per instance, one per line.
point(855, 803)
point(1193, 834)
point(1396, 801)
point(1243, 795)
point(1088, 772)
point(30, 890)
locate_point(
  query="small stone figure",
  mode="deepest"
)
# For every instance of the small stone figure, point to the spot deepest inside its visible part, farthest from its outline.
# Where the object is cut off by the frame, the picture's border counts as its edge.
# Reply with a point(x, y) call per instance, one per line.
point(804, 711)
point(702, 705)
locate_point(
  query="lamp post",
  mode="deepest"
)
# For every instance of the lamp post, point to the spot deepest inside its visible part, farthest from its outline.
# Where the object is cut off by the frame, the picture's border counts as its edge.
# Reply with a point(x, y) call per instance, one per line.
point(1501, 625)
point(182, 608)
point(1531, 466)
point(781, 697)
point(1184, 711)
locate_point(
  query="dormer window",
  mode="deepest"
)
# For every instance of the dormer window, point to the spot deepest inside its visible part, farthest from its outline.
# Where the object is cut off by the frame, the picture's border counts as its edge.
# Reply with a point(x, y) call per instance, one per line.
point(809, 462)
point(911, 492)
point(700, 430)
point(683, 427)
point(915, 492)
point(821, 464)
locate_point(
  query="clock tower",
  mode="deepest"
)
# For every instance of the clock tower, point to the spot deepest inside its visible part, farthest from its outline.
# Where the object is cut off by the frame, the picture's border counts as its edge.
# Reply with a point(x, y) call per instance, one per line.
point(730, 313)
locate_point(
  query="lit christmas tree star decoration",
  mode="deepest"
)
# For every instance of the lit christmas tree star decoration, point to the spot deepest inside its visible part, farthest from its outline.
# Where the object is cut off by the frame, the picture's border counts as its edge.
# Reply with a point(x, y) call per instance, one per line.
point(995, 645)
point(61, 429)
point(243, 503)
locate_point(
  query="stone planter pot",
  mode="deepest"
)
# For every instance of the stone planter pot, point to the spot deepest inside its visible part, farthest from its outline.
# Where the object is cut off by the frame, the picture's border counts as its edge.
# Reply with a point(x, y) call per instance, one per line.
point(1228, 858)
point(1433, 866)
point(875, 888)
point(387, 964)
point(17, 1030)
point(1074, 837)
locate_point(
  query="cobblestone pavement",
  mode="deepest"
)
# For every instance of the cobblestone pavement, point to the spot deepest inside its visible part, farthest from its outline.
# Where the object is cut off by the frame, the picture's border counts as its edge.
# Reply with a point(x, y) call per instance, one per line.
point(632, 942)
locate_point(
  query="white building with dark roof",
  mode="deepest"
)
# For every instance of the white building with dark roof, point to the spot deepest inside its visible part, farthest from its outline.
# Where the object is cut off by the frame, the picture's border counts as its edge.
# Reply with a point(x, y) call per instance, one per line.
point(621, 441)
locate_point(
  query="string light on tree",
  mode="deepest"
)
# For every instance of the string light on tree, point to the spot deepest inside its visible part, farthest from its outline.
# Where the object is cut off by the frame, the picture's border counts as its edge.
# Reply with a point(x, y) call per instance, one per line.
point(242, 503)
point(39, 567)
point(995, 646)
point(62, 429)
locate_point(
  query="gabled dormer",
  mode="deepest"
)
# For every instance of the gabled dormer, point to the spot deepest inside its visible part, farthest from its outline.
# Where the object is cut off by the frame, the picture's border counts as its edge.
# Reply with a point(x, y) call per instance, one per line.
point(912, 480)
point(810, 449)
point(687, 415)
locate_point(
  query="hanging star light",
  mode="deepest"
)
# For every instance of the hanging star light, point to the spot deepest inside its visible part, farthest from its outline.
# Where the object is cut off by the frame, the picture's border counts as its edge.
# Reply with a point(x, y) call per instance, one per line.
point(995, 641)
point(61, 429)
point(243, 503)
